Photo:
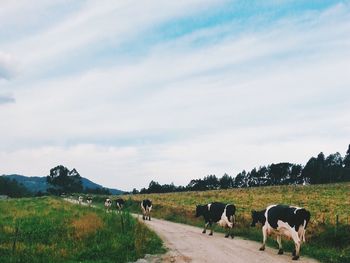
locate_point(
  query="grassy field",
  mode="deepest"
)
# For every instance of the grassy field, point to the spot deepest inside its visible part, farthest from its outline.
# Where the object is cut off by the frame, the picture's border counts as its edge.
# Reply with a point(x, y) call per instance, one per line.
point(328, 234)
point(52, 230)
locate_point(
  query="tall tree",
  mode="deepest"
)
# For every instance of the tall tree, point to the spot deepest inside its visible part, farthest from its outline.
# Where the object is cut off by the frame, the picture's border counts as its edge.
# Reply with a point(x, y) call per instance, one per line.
point(252, 178)
point(333, 168)
point(320, 168)
point(296, 175)
point(197, 185)
point(62, 180)
point(211, 181)
point(241, 180)
point(346, 162)
point(347, 158)
point(225, 181)
point(154, 187)
point(309, 172)
point(279, 173)
point(262, 176)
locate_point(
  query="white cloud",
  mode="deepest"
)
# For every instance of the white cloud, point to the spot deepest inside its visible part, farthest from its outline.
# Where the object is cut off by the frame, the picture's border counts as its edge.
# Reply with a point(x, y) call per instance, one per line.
point(7, 66)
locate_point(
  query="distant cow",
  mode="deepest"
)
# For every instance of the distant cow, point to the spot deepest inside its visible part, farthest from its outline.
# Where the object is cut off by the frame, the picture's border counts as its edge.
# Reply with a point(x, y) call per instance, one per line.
point(89, 200)
point(146, 207)
point(108, 205)
point(80, 200)
point(284, 220)
point(119, 203)
point(222, 214)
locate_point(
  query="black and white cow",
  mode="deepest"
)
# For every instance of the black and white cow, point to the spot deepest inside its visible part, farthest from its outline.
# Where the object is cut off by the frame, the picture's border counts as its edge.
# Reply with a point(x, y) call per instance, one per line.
point(119, 203)
point(222, 214)
point(80, 200)
point(108, 205)
point(284, 220)
point(89, 200)
point(146, 207)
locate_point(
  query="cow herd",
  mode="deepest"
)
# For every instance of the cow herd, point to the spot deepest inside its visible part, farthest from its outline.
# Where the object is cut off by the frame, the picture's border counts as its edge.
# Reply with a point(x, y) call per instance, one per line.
point(281, 220)
point(146, 205)
point(119, 204)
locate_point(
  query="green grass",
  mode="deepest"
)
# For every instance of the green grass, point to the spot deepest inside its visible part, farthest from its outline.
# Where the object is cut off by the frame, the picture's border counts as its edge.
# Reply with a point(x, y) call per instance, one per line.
point(327, 240)
point(52, 230)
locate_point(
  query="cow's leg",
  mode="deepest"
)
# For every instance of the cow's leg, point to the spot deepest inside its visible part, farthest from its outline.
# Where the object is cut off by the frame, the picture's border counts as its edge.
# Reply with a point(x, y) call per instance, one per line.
point(297, 243)
point(279, 241)
point(149, 215)
point(228, 224)
point(301, 234)
point(211, 228)
point(231, 233)
point(227, 230)
point(205, 227)
point(264, 231)
point(233, 220)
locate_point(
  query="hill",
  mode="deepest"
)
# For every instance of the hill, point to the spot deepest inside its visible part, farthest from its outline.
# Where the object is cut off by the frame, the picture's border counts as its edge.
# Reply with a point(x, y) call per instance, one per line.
point(38, 183)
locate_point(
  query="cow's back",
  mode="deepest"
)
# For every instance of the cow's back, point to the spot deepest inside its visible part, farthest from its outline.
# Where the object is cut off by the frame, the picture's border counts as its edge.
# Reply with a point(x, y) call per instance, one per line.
point(215, 211)
point(294, 216)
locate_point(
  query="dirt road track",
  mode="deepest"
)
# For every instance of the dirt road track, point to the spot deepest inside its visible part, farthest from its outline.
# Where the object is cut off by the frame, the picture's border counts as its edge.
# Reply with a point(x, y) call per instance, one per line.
point(188, 244)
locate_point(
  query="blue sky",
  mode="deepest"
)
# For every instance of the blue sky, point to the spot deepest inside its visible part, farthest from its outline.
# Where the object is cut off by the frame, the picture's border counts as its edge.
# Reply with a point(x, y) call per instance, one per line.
point(129, 92)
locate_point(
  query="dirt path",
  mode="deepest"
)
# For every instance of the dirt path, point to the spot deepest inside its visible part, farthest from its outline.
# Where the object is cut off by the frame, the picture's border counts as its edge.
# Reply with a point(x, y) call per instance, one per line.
point(188, 244)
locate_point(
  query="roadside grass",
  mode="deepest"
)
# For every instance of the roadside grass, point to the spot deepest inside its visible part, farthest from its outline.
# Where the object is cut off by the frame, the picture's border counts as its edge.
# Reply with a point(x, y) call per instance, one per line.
point(48, 229)
point(328, 233)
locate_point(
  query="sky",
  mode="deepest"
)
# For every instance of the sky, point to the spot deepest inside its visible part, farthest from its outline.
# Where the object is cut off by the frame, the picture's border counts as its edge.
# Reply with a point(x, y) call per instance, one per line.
point(132, 91)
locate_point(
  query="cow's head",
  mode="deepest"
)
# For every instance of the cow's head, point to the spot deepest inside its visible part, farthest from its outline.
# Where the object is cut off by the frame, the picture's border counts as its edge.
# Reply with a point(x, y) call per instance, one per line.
point(199, 210)
point(258, 217)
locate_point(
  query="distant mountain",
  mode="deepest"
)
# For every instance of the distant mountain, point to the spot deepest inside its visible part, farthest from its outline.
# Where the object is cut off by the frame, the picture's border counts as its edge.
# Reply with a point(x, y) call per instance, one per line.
point(89, 184)
point(37, 183)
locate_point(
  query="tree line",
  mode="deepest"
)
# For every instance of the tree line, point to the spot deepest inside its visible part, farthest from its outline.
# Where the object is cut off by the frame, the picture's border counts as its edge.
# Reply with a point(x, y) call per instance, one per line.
point(318, 170)
point(12, 188)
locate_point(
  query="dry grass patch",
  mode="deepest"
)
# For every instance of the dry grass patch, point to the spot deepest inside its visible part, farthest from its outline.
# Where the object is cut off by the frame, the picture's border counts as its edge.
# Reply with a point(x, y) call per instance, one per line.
point(86, 225)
